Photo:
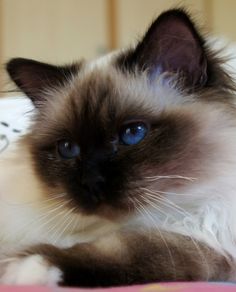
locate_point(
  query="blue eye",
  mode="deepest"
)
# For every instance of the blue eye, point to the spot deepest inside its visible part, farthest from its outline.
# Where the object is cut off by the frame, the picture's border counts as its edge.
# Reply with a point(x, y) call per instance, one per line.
point(134, 133)
point(68, 149)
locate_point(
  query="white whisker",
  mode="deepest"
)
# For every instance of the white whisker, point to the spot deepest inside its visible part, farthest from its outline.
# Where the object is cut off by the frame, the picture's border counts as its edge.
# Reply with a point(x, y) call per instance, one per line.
point(50, 212)
point(38, 220)
point(161, 235)
point(155, 196)
point(73, 228)
point(153, 200)
point(55, 197)
point(67, 222)
point(172, 193)
point(158, 177)
point(152, 204)
point(54, 227)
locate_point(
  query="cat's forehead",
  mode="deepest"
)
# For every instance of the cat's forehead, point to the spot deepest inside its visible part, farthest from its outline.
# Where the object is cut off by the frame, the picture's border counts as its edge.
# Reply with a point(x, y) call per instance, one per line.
point(102, 85)
point(102, 94)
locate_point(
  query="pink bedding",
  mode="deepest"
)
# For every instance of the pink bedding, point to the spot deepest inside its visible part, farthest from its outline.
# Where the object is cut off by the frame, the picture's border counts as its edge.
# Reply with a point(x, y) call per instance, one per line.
point(173, 287)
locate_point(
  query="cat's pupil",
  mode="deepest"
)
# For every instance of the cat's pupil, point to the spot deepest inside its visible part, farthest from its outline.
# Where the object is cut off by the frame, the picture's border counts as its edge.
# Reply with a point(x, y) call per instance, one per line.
point(68, 149)
point(134, 130)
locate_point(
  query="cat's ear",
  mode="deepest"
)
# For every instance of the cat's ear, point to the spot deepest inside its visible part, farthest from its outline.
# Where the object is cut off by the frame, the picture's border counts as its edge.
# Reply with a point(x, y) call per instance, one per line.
point(172, 44)
point(34, 78)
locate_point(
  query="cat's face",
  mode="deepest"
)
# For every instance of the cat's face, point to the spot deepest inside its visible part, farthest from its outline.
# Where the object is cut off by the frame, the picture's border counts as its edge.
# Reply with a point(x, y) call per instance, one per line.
point(115, 135)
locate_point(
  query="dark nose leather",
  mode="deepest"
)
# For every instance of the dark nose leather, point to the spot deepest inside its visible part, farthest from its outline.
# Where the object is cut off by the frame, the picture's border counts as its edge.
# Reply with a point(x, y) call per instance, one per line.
point(92, 167)
point(93, 187)
point(90, 180)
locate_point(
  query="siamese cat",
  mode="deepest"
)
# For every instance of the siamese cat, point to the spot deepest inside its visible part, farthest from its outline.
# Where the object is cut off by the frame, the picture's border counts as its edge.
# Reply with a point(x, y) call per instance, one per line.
point(127, 174)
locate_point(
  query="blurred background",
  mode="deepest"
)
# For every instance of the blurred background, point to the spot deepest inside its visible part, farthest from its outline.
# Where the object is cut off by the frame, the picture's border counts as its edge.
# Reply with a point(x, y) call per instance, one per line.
point(65, 30)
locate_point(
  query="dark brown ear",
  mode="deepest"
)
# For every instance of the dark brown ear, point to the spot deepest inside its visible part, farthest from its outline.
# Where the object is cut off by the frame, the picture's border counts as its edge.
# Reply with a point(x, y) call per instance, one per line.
point(33, 77)
point(171, 44)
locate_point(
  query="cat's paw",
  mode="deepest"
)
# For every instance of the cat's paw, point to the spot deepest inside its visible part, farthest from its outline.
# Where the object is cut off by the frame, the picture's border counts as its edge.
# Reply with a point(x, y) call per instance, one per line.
point(30, 270)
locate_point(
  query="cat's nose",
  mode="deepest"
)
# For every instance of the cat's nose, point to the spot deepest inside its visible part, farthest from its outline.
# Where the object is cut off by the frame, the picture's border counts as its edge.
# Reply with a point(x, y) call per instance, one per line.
point(93, 187)
point(91, 179)
point(88, 180)
point(91, 176)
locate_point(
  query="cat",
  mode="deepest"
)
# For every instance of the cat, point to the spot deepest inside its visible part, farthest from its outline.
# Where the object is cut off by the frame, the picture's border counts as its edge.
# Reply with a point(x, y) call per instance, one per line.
point(127, 173)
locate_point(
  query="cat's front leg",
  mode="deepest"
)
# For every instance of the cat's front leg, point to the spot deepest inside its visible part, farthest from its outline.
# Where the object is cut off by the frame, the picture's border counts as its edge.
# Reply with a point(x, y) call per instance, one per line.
point(119, 259)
